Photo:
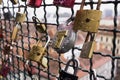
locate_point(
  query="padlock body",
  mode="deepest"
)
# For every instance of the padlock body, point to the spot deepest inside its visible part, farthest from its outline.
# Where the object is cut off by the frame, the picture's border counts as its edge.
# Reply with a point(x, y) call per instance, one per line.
point(14, 1)
point(36, 53)
point(87, 49)
point(87, 20)
point(64, 3)
point(67, 76)
point(20, 17)
point(35, 3)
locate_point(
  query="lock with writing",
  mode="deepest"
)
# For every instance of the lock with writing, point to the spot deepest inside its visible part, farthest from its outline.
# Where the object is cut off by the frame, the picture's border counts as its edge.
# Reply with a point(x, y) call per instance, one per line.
point(38, 25)
point(20, 17)
point(64, 3)
point(65, 37)
point(15, 32)
point(37, 52)
point(7, 14)
point(35, 3)
point(88, 46)
point(14, 1)
point(65, 75)
point(87, 20)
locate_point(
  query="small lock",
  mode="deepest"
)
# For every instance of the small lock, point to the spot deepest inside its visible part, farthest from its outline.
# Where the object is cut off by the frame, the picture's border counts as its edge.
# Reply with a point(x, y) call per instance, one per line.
point(7, 14)
point(37, 52)
point(64, 75)
point(14, 1)
point(87, 20)
point(7, 49)
point(88, 48)
point(15, 32)
point(35, 3)
point(1, 1)
point(38, 25)
point(20, 17)
point(65, 37)
point(64, 3)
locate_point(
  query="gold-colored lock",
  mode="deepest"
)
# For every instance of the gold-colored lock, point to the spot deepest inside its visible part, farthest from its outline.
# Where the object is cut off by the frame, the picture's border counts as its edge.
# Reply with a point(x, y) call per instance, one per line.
point(20, 17)
point(37, 53)
point(15, 32)
point(60, 38)
point(87, 20)
point(88, 48)
point(39, 26)
point(14, 1)
point(1, 1)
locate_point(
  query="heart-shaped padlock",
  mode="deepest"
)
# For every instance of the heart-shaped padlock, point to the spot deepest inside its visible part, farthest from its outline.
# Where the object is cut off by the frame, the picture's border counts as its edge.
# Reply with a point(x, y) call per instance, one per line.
point(65, 37)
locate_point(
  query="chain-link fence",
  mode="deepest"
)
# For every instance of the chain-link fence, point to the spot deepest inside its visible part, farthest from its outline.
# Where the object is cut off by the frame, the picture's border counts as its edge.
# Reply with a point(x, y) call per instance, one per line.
point(15, 65)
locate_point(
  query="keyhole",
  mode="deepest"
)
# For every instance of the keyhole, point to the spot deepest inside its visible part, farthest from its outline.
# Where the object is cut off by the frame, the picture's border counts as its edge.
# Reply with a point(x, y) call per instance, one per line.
point(87, 20)
point(38, 54)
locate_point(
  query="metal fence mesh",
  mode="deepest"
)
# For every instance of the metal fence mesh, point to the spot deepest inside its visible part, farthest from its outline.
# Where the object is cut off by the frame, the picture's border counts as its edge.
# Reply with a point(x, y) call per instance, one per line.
point(28, 35)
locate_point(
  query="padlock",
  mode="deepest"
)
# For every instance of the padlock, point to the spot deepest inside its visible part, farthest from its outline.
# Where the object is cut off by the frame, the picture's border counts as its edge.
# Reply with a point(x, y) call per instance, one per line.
point(14, 1)
point(87, 20)
point(64, 3)
point(15, 32)
point(38, 25)
point(4, 70)
point(1, 1)
point(7, 14)
point(35, 3)
point(65, 37)
point(7, 49)
point(88, 48)
point(38, 51)
point(64, 75)
point(20, 17)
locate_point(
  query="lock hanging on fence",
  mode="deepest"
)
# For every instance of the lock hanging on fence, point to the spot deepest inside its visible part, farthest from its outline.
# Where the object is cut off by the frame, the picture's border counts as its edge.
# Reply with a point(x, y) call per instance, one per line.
point(88, 47)
point(15, 32)
point(14, 1)
point(38, 25)
point(1, 1)
point(87, 20)
point(65, 37)
point(64, 75)
point(20, 17)
point(7, 15)
point(64, 3)
point(38, 51)
point(35, 3)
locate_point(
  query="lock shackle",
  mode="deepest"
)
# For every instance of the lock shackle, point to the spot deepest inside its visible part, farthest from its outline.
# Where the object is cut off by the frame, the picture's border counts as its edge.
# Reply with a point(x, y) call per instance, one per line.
point(75, 65)
point(83, 3)
point(21, 6)
point(70, 20)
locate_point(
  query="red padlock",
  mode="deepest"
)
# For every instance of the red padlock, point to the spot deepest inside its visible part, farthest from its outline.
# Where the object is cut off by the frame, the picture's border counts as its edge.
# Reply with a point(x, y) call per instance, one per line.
point(35, 3)
point(64, 3)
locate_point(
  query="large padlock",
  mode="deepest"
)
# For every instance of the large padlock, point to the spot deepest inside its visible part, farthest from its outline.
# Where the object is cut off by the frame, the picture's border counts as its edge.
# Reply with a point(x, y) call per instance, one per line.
point(7, 14)
point(1, 1)
point(64, 3)
point(35, 3)
point(64, 75)
point(88, 48)
point(15, 32)
point(65, 37)
point(14, 1)
point(87, 20)
point(37, 52)
point(20, 17)
point(5, 69)
point(38, 25)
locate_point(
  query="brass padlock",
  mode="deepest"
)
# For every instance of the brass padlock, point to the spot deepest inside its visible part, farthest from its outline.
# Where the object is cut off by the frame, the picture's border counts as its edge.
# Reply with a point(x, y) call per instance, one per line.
point(65, 37)
point(37, 52)
point(15, 32)
point(1, 1)
point(20, 17)
point(38, 25)
point(87, 20)
point(14, 1)
point(88, 48)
